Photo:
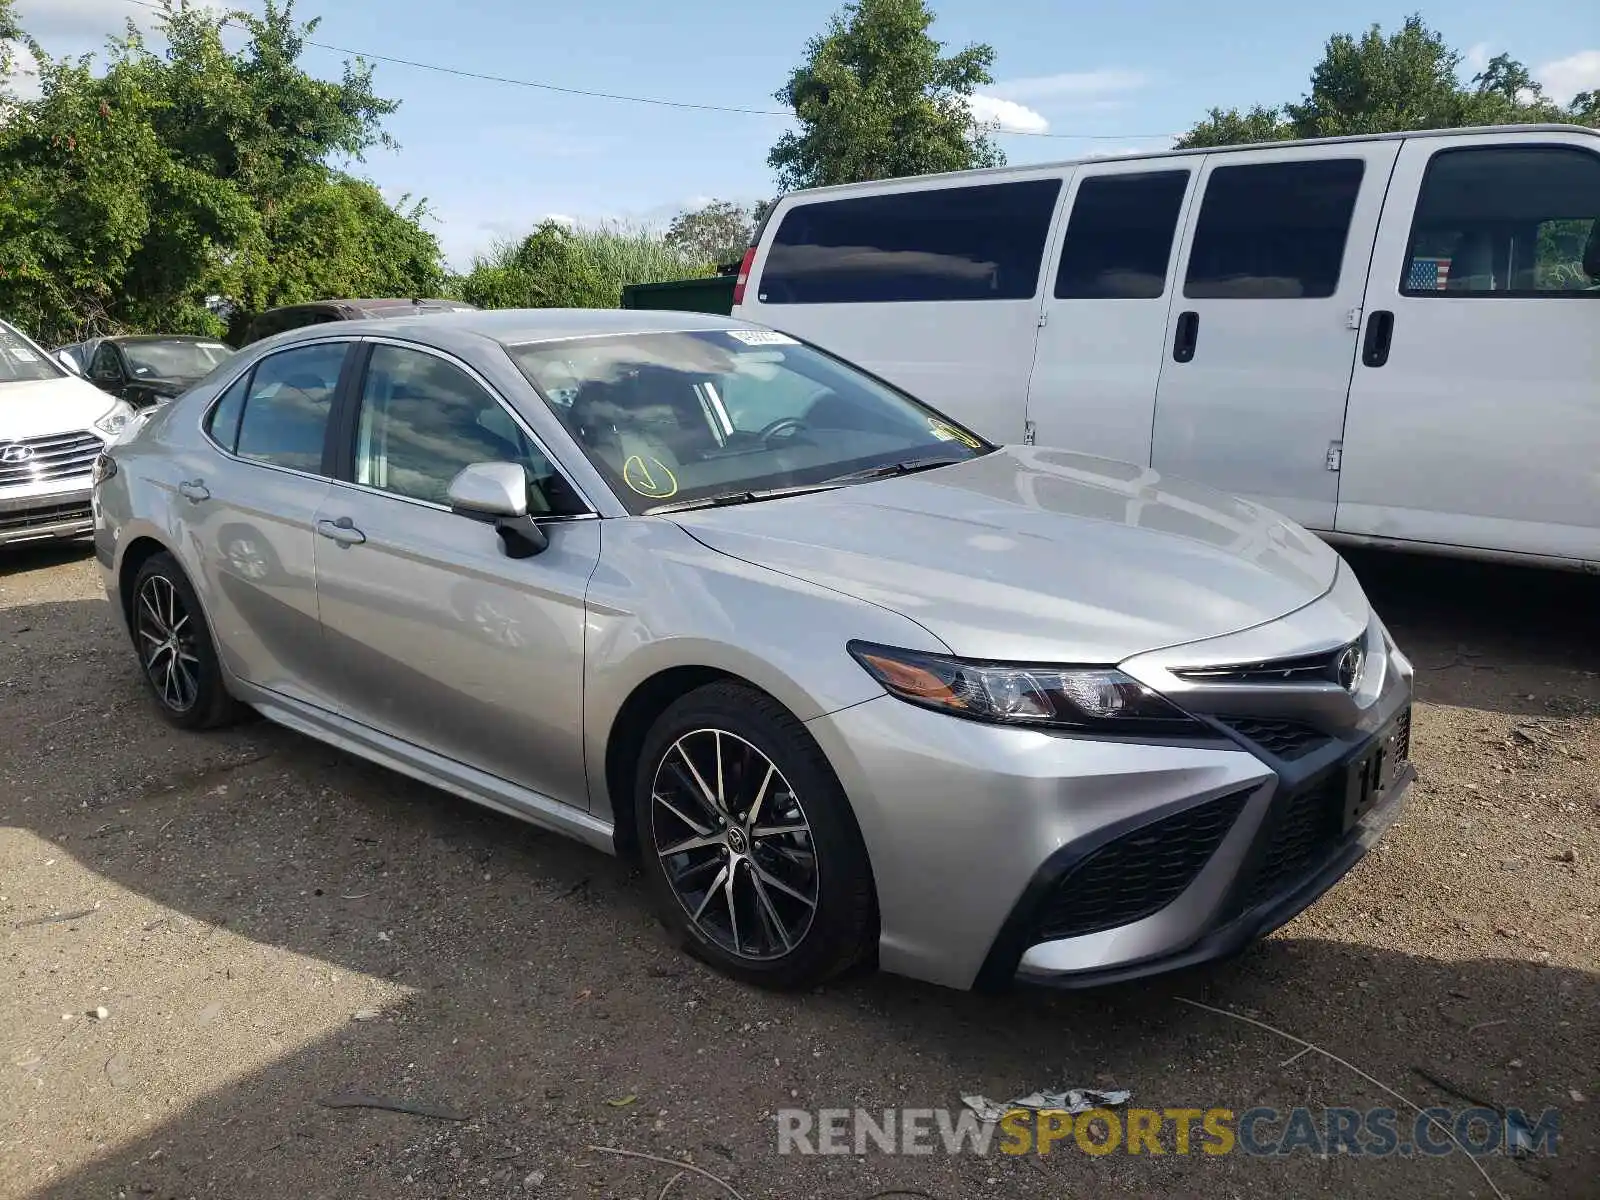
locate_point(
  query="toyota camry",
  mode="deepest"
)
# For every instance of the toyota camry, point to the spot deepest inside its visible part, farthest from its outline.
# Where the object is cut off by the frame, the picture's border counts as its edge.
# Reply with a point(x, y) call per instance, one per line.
point(852, 685)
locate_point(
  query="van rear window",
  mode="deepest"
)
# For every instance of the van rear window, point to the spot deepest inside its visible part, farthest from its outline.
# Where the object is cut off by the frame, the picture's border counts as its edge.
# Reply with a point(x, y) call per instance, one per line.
point(965, 243)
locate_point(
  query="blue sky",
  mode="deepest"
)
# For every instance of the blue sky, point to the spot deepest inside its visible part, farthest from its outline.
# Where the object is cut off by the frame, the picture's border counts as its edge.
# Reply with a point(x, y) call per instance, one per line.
point(494, 159)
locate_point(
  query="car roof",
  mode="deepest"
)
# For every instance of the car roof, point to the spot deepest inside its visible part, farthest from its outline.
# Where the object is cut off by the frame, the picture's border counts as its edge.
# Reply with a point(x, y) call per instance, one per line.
point(1000, 174)
point(519, 326)
point(123, 339)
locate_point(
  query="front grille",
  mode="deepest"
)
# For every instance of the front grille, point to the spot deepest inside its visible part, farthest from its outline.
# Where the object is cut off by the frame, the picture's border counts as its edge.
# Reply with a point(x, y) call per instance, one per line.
point(1402, 736)
point(1139, 873)
point(1283, 739)
point(1305, 828)
point(1322, 667)
point(39, 518)
point(58, 456)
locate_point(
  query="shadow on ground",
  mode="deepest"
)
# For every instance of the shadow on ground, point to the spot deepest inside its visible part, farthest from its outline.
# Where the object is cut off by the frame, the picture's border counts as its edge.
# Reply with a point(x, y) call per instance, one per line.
point(540, 995)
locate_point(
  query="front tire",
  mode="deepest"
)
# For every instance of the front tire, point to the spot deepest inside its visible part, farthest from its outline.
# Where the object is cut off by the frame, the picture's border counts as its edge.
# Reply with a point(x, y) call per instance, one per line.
point(749, 843)
point(177, 656)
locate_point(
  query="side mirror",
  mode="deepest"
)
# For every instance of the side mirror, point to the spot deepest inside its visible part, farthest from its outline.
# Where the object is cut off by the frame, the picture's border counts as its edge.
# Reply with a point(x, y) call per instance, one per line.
point(496, 493)
point(70, 363)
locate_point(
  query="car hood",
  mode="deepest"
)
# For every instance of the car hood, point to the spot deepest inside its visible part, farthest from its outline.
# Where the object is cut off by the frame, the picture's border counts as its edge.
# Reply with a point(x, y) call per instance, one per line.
point(1038, 555)
point(34, 408)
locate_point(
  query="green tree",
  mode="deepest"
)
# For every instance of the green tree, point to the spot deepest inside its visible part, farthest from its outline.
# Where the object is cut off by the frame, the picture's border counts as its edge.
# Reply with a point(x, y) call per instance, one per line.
point(717, 232)
point(559, 267)
point(876, 98)
point(1374, 83)
point(137, 192)
point(1230, 127)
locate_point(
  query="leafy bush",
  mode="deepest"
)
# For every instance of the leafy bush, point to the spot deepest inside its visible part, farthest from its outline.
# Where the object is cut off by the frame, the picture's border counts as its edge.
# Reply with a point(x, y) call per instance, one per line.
point(557, 266)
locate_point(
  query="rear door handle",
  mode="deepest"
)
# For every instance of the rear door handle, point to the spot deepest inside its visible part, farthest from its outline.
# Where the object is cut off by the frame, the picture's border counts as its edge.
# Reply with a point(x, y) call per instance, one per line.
point(343, 531)
point(194, 490)
point(1183, 342)
point(1380, 333)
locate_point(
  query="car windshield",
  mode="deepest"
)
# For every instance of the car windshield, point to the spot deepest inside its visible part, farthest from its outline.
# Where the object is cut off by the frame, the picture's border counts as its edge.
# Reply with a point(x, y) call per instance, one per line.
point(21, 361)
point(173, 360)
point(671, 418)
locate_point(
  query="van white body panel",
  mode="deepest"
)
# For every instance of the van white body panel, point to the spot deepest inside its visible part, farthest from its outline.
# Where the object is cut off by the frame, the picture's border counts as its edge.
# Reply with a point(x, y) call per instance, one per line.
point(1478, 434)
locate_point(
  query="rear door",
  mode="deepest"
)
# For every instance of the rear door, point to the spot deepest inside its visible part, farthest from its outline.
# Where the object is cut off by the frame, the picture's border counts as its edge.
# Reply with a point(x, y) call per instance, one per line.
point(931, 286)
point(1104, 323)
point(1261, 338)
point(1475, 409)
point(249, 505)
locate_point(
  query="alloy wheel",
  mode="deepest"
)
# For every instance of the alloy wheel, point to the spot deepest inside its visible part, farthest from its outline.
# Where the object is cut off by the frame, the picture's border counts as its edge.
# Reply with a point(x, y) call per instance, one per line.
point(165, 632)
point(735, 844)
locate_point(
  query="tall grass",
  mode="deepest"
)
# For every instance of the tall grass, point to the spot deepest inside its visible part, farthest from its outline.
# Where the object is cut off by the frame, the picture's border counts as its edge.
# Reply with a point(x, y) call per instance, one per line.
point(561, 266)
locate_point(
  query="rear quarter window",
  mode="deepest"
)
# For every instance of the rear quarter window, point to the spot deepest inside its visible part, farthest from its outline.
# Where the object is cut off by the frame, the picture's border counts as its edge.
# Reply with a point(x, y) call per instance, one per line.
point(984, 242)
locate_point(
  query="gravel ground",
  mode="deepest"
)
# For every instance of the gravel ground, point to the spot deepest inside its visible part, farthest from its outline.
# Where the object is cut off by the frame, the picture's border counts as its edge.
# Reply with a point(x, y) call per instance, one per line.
point(266, 924)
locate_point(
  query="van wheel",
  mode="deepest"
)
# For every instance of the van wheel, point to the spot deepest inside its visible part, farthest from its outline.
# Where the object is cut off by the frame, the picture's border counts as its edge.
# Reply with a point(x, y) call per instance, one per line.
point(176, 654)
point(748, 841)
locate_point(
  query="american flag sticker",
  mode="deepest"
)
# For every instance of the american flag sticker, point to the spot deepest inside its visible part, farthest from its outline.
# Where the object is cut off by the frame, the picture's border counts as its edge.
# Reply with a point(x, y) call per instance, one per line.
point(1428, 275)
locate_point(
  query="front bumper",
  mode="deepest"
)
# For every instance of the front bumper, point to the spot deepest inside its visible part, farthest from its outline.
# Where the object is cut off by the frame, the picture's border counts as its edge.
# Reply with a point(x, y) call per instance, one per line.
point(1001, 853)
point(60, 510)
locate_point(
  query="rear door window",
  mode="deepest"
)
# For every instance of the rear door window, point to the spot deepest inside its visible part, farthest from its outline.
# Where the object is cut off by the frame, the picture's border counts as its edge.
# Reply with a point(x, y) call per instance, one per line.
point(1273, 230)
point(966, 243)
point(1507, 221)
point(286, 407)
point(1119, 237)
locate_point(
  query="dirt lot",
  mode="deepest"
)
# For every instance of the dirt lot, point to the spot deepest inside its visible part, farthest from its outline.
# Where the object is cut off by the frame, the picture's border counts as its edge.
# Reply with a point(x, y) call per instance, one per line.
point(271, 924)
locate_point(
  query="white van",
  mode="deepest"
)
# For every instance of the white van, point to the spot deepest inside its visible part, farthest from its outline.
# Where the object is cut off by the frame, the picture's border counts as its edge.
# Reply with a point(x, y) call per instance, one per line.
point(1390, 339)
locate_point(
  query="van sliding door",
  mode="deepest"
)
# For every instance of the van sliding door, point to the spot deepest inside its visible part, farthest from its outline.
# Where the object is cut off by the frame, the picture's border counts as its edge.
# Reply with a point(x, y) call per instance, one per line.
point(1261, 337)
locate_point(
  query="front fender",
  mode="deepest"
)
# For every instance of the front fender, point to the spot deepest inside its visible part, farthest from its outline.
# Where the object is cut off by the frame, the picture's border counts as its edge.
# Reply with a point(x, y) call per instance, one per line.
point(660, 600)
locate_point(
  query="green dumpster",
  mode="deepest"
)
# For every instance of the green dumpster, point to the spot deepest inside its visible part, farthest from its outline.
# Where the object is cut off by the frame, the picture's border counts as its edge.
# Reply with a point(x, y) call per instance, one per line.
point(710, 294)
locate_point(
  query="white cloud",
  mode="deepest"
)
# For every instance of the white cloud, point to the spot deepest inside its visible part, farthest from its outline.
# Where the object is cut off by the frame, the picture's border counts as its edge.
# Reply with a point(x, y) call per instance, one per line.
point(1477, 58)
point(23, 81)
point(1566, 77)
point(1073, 86)
point(1005, 116)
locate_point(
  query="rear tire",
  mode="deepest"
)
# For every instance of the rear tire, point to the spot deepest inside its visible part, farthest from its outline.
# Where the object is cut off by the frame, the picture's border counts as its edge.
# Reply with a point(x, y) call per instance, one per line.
point(751, 849)
point(177, 655)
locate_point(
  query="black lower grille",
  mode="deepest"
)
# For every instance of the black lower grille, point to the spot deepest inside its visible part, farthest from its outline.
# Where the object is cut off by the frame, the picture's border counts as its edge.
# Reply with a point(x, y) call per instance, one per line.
point(1284, 739)
point(39, 518)
point(1304, 829)
point(1139, 873)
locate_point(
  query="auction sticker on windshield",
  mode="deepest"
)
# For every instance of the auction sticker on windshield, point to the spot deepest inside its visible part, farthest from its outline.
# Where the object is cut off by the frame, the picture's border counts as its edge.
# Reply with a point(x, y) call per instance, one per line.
point(762, 337)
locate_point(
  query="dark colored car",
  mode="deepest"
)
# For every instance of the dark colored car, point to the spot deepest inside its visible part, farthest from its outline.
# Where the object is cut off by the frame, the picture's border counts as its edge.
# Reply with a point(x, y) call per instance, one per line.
point(145, 369)
point(297, 316)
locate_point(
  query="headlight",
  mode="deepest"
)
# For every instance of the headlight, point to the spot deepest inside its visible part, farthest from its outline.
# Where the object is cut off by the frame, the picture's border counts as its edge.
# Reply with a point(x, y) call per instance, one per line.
point(1097, 698)
point(116, 420)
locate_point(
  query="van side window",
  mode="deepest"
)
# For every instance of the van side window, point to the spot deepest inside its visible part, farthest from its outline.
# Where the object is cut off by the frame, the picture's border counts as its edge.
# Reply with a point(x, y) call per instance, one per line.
point(962, 243)
point(1119, 238)
point(1273, 231)
point(1506, 221)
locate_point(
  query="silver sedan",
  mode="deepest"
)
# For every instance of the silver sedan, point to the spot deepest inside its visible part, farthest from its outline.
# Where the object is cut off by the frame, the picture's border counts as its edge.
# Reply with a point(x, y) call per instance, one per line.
point(851, 684)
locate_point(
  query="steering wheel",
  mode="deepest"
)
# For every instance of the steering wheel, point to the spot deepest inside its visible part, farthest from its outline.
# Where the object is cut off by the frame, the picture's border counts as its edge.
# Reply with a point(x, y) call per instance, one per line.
point(786, 426)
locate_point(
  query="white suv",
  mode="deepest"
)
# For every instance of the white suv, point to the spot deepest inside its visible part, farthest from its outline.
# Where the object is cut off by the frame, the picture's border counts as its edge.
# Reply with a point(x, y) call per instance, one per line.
point(53, 425)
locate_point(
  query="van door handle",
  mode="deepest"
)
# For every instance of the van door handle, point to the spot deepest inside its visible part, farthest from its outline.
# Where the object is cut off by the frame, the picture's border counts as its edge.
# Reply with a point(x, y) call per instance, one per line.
point(1380, 333)
point(1188, 334)
point(194, 490)
point(343, 531)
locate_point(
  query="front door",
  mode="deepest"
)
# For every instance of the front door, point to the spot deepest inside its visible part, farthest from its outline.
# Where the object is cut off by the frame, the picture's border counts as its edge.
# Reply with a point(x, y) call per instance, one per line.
point(1261, 337)
point(434, 635)
point(1475, 410)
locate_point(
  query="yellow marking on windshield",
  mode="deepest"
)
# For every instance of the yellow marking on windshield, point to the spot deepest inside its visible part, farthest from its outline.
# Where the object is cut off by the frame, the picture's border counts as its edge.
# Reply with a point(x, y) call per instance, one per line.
point(649, 476)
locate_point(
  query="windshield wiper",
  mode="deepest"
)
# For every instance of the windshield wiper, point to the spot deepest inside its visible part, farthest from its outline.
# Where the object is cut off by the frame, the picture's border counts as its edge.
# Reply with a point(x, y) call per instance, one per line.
point(723, 499)
point(884, 471)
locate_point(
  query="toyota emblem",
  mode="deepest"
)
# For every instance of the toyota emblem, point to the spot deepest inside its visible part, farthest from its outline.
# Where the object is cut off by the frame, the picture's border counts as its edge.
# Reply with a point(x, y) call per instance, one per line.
point(1349, 667)
point(14, 454)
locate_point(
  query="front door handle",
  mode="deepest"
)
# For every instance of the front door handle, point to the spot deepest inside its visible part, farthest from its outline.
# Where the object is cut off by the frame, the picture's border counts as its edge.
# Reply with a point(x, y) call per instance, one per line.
point(194, 490)
point(1380, 334)
point(343, 531)
point(1183, 342)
